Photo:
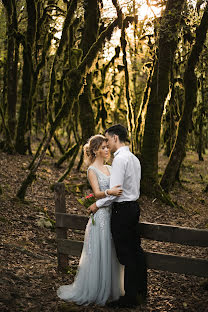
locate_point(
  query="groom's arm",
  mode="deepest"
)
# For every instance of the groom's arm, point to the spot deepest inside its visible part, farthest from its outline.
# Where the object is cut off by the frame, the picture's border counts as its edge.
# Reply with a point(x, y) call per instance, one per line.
point(116, 178)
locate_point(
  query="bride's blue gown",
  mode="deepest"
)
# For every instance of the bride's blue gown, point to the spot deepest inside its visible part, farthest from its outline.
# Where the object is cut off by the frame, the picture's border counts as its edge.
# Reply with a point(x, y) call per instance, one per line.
point(100, 275)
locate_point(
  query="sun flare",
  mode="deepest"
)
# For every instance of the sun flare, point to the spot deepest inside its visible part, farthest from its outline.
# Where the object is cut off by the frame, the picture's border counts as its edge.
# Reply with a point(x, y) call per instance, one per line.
point(148, 11)
point(144, 8)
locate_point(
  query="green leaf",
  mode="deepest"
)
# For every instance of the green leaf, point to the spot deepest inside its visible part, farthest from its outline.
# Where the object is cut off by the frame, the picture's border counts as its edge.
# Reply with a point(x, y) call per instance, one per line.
point(48, 224)
point(80, 201)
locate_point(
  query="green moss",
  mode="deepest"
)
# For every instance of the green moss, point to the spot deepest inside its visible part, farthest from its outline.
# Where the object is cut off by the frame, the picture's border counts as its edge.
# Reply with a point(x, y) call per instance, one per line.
point(28, 181)
point(67, 155)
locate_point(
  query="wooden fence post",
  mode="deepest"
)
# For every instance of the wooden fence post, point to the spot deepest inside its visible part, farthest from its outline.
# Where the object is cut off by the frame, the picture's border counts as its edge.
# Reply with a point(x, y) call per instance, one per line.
point(60, 206)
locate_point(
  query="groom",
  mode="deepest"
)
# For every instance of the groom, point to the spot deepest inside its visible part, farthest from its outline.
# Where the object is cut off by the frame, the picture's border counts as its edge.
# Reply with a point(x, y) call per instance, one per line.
point(126, 171)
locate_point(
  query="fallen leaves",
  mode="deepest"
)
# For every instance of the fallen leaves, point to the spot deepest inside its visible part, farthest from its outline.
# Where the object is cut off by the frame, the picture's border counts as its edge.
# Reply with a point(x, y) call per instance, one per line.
point(29, 277)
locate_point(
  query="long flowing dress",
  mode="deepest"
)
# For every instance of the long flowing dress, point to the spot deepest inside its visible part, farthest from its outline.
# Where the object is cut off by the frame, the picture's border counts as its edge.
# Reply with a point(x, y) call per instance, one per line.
point(100, 276)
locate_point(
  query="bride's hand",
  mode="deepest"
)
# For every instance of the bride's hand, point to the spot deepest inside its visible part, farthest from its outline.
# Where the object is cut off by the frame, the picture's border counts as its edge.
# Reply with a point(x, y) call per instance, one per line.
point(93, 208)
point(116, 190)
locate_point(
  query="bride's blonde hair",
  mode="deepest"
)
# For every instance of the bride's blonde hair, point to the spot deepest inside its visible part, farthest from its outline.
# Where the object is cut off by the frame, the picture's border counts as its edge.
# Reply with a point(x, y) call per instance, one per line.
point(92, 146)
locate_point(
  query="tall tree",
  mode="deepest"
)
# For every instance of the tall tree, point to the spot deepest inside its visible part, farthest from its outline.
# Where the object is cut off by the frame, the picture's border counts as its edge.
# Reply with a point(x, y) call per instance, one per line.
point(123, 25)
point(159, 88)
point(12, 62)
point(41, 52)
point(27, 76)
point(190, 84)
point(201, 110)
point(90, 34)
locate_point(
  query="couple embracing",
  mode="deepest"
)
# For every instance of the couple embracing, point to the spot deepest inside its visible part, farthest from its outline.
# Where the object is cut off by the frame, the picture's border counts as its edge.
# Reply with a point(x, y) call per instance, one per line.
point(112, 267)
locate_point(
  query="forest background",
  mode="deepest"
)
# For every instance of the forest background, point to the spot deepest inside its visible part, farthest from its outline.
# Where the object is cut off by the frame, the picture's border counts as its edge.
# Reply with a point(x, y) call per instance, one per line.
point(69, 70)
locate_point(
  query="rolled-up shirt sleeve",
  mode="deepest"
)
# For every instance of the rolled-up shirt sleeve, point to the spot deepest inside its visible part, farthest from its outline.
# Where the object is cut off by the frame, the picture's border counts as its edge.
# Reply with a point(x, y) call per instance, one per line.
point(116, 178)
point(106, 201)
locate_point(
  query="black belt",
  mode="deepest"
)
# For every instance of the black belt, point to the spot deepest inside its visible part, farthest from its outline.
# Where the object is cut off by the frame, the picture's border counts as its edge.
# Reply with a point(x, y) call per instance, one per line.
point(120, 204)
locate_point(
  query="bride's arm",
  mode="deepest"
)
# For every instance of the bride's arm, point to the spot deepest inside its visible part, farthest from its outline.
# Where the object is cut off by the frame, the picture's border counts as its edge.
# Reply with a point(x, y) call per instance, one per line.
point(116, 190)
point(94, 185)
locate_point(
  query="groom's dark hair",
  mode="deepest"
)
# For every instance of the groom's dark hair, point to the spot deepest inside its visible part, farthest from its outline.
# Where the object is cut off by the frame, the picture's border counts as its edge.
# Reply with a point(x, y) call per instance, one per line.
point(119, 130)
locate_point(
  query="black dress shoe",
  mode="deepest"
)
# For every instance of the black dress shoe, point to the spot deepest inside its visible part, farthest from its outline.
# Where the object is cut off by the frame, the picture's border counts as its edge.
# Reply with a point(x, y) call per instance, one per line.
point(122, 302)
point(141, 298)
point(112, 304)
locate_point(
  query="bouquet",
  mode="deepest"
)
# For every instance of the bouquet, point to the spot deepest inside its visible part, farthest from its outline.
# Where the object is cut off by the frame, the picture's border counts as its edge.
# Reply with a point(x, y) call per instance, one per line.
point(87, 201)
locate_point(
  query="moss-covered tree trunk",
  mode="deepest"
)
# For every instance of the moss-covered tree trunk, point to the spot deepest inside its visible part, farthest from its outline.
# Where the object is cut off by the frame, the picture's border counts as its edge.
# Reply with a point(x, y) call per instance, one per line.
point(62, 44)
point(86, 115)
point(200, 137)
point(42, 45)
point(4, 89)
point(99, 95)
point(190, 85)
point(12, 62)
point(170, 24)
point(171, 116)
point(20, 144)
point(90, 34)
point(142, 112)
point(130, 111)
point(6, 145)
point(200, 119)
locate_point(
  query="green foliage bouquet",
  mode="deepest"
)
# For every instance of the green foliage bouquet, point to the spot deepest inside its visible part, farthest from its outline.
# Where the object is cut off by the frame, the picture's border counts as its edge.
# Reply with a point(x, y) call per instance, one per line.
point(87, 201)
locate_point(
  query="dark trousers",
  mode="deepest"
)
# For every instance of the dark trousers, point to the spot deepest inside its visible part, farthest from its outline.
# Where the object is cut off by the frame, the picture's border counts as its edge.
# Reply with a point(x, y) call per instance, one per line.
point(125, 232)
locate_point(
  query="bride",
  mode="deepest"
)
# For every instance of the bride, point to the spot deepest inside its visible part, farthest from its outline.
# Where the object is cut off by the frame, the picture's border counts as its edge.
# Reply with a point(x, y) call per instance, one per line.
point(99, 274)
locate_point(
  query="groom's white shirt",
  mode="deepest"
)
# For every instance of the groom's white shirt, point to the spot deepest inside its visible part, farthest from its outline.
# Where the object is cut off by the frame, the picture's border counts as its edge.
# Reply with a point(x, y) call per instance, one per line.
point(126, 171)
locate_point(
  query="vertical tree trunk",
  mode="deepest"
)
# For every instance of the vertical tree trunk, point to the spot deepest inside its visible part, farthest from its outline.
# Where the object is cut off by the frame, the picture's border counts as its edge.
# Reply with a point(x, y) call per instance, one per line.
point(12, 63)
point(130, 111)
point(20, 144)
point(190, 84)
point(159, 90)
point(90, 34)
point(134, 61)
point(62, 43)
point(7, 144)
point(200, 146)
point(32, 98)
point(142, 112)
point(169, 124)
point(86, 115)
point(4, 91)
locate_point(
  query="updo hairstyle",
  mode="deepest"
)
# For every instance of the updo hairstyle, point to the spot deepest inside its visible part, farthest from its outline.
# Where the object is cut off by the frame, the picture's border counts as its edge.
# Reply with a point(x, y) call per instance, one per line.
point(92, 146)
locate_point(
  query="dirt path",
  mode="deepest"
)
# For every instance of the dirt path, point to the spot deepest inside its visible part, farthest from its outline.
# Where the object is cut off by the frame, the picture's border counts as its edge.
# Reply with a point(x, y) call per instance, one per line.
point(29, 276)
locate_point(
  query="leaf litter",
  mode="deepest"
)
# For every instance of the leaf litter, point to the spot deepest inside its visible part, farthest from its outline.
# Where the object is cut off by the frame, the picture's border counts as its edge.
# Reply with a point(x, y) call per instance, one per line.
point(29, 276)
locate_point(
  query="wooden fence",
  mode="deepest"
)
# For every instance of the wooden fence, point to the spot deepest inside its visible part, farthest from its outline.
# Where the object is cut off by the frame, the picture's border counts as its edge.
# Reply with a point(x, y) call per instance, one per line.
point(153, 231)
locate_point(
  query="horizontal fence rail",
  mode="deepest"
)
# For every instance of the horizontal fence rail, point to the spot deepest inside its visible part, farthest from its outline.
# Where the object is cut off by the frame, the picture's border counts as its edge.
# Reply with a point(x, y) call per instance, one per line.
point(156, 232)
point(156, 261)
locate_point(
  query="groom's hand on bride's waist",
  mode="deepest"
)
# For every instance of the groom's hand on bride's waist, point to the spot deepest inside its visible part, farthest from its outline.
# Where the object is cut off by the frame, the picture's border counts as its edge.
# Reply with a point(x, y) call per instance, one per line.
point(93, 208)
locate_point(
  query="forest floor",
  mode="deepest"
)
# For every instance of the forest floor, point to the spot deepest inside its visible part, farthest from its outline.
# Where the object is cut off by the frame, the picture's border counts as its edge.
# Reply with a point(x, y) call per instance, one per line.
point(29, 276)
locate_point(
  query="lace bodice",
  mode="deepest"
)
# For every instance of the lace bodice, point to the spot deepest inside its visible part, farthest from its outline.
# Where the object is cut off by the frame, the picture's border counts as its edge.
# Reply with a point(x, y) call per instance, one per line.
point(103, 179)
